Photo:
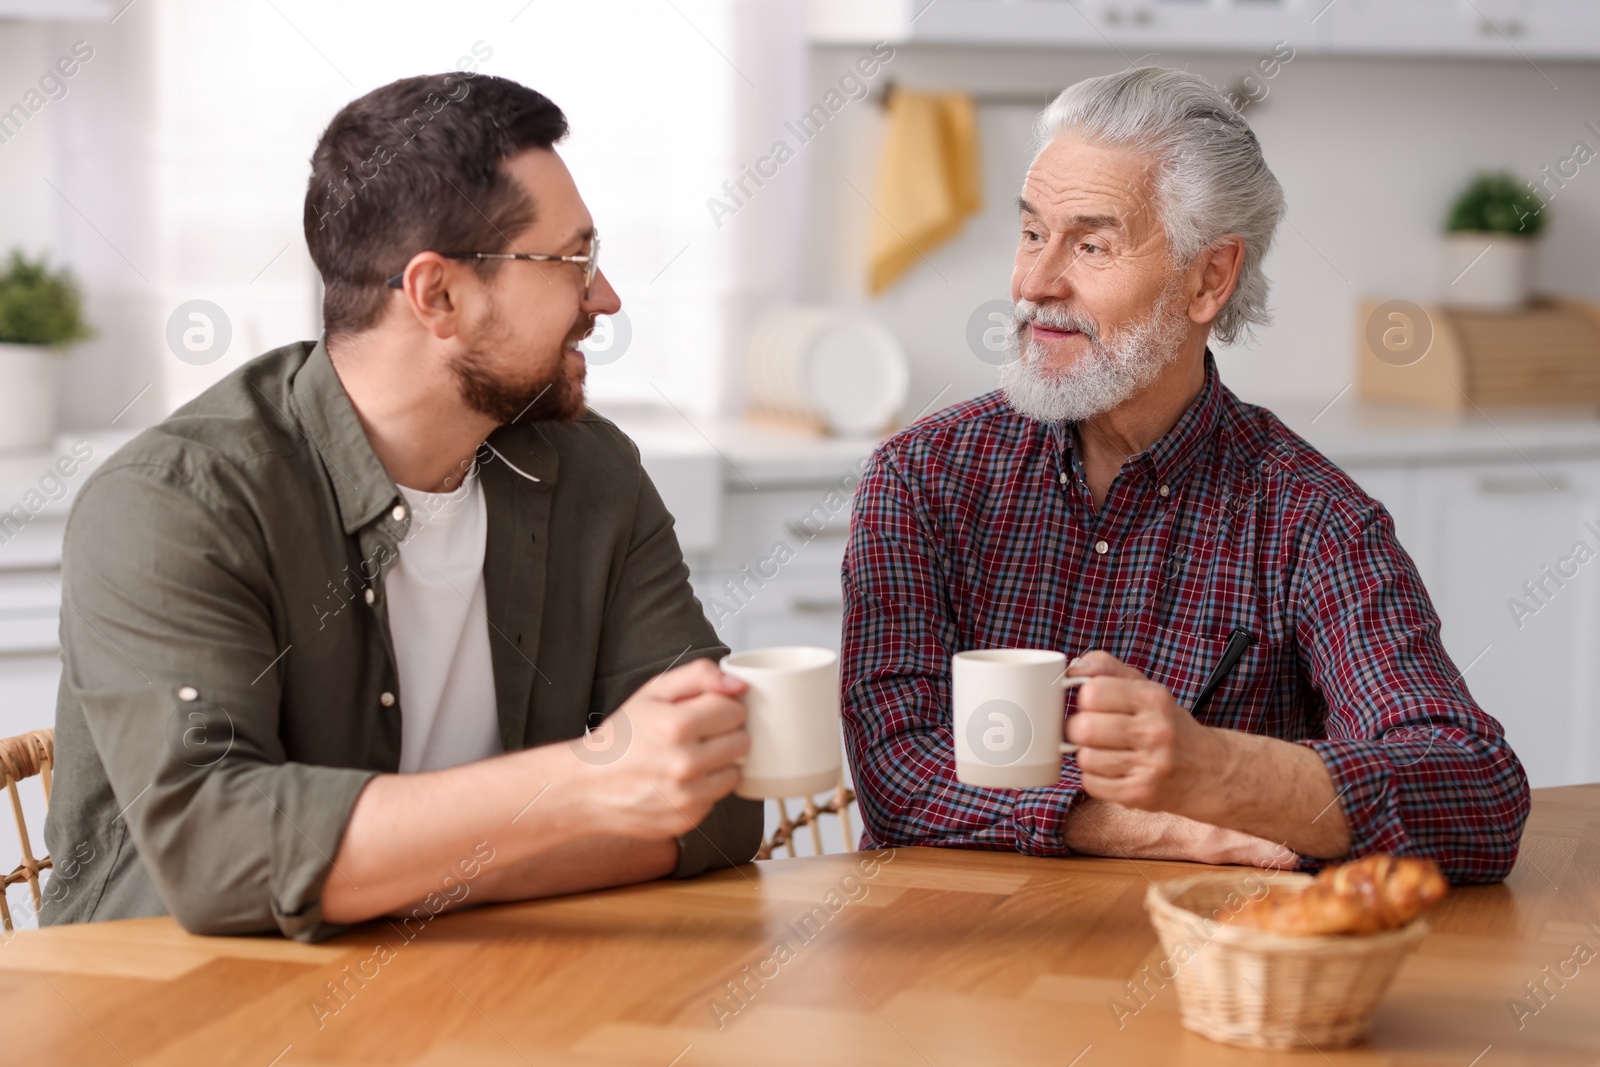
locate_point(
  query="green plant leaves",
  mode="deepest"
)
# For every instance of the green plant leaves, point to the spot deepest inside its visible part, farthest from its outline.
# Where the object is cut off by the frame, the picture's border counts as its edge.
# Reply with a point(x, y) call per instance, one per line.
point(1496, 203)
point(39, 306)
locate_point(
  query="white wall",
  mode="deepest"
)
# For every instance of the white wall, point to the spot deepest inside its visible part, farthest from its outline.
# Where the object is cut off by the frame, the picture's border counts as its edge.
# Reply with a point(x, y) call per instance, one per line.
point(159, 179)
point(1369, 153)
point(180, 155)
point(25, 209)
point(50, 205)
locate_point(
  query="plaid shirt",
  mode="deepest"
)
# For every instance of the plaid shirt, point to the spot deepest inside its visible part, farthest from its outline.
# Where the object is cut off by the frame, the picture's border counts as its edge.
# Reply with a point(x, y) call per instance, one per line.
point(975, 528)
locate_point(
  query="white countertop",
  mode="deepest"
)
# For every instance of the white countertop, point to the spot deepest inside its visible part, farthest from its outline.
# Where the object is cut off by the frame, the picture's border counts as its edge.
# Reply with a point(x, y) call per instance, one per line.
point(762, 456)
point(754, 455)
point(1351, 433)
point(1355, 434)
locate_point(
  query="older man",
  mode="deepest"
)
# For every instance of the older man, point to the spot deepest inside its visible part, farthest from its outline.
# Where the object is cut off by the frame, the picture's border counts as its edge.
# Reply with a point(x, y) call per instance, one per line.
point(1115, 501)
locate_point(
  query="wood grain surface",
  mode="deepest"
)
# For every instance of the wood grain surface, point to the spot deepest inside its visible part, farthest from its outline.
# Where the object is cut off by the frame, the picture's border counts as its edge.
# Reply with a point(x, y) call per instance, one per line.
point(915, 957)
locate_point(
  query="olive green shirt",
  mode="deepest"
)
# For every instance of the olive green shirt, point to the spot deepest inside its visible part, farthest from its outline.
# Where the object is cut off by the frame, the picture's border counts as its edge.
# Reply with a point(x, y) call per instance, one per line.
point(229, 683)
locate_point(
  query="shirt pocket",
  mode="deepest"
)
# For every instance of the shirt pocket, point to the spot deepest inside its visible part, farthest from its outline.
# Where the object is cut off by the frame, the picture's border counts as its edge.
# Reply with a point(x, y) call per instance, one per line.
point(1253, 694)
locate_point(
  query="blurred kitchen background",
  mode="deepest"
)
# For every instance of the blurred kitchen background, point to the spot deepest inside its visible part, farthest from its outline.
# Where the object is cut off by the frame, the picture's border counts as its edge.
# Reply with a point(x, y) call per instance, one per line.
point(786, 307)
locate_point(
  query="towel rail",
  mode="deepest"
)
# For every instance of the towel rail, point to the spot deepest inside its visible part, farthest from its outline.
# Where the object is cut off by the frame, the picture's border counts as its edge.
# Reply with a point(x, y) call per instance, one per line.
point(1036, 100)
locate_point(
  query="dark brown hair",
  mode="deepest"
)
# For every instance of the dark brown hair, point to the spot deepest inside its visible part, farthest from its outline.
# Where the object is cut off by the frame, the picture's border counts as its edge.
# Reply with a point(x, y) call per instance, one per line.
point(418, 165)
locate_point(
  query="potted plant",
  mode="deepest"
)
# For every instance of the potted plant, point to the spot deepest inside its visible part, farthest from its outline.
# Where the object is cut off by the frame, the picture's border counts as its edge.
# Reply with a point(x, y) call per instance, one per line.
point(1489, 244)
point(41, 312)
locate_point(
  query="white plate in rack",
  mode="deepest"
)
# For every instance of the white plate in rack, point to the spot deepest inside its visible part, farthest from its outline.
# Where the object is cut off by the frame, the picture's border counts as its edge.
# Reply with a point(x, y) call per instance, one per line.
point(842, 367)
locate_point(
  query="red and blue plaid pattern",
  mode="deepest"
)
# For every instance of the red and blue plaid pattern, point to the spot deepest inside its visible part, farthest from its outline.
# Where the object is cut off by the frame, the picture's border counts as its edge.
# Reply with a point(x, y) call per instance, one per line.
point(974, 528)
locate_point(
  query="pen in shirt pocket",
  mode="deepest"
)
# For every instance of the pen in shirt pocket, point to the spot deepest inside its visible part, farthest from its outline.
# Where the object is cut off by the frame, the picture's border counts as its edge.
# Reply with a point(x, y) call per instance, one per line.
point(1238, 641)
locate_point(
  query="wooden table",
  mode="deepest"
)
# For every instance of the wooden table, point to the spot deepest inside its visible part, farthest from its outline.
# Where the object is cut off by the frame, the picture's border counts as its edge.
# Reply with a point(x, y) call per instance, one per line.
point(919, 957)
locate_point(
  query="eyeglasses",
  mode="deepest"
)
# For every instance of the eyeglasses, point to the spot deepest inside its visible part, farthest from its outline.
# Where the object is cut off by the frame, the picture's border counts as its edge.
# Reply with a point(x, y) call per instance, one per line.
point(590, 261)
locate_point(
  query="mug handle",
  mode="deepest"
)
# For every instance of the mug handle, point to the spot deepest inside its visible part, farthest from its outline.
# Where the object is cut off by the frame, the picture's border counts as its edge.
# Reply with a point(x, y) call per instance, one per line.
point(1064, 683)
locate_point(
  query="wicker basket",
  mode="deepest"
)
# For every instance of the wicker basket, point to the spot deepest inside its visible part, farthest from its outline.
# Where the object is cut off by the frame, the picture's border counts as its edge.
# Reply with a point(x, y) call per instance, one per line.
point(1257, 989)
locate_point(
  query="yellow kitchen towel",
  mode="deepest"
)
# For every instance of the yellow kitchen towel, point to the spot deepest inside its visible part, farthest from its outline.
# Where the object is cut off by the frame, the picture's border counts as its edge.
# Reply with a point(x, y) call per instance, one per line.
point(927, 182)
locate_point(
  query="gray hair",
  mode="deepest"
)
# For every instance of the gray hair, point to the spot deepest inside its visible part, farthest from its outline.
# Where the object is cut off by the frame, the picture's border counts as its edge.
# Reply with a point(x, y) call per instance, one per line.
point(1211, 180)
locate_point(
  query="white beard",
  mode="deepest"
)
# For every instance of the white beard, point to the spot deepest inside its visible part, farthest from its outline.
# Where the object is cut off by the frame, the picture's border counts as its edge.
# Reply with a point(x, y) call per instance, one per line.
point(1128, 360)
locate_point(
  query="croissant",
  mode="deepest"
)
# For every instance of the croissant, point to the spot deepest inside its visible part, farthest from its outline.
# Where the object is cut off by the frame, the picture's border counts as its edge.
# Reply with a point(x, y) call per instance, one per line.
point(1370, 895)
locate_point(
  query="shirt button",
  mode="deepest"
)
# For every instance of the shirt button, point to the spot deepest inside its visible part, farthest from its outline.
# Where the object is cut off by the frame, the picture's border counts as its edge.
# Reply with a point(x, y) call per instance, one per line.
point(399, 513)
point(1101, 547)
point(188, 692)
point(387, 700)
point(370, 597)
point(1063, 477)
point(1164, 491)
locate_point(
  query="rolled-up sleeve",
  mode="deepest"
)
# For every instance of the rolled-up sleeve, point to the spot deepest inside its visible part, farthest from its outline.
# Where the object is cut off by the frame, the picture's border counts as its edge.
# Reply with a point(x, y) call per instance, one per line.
point(653, 622)
point(1418, 767)
point(167, 631)
point(899, 634)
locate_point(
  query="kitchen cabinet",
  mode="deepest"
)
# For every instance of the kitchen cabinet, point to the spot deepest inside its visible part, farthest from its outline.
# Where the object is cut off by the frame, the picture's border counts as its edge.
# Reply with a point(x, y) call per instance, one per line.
point(774, 577)
point(1201, 25)
point(30, 588)
point(1508, 552)
point(60, 10)
point(1509, 29)
point(30, 585)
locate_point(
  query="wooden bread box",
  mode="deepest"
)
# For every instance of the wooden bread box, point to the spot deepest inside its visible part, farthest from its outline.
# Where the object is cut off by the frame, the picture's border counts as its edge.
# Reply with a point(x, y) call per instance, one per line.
point(1426, 355)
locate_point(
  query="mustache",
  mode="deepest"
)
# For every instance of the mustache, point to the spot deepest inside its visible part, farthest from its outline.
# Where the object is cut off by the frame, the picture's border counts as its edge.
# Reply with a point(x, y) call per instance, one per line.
point(1056, 316)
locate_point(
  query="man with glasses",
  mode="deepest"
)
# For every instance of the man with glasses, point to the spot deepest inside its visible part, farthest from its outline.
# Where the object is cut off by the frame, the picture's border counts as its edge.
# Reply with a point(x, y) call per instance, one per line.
point(391, 622)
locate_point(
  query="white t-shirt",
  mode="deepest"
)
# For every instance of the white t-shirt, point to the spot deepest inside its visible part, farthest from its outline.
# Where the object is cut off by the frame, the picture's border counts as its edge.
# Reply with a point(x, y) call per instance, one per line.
point(438, 618)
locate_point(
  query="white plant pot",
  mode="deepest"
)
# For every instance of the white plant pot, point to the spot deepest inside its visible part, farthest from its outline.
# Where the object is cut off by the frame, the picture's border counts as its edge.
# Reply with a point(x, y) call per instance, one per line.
point(30, 379)
point(1487, 271)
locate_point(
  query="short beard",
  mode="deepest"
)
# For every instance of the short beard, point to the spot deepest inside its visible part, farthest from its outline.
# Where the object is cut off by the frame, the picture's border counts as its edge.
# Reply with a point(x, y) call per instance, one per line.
point(1129, 359)
point(558, 398)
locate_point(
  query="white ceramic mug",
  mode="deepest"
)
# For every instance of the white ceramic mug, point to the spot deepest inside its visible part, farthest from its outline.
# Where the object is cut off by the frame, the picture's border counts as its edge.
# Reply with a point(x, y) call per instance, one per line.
point(1009, 717)
point(792, 713)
